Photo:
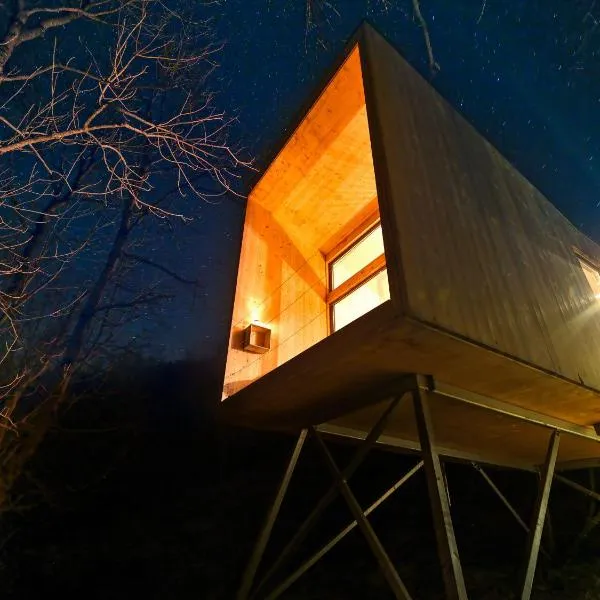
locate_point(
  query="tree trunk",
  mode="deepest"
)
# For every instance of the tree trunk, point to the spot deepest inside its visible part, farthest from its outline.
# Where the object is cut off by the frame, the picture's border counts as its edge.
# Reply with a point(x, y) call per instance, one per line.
point(76, 339)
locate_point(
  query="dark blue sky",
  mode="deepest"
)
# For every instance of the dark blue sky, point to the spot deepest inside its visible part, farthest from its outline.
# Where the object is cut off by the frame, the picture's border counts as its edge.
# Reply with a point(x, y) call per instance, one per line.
point(526, 73)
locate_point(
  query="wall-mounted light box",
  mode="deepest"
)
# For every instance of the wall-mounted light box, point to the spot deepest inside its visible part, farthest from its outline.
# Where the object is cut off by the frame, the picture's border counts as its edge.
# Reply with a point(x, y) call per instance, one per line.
point(257, 339)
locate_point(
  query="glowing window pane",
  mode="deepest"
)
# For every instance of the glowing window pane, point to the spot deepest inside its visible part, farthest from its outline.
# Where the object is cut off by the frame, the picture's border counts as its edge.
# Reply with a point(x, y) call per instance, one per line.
point(358, 257)
point(361, 300)
point(592, 275)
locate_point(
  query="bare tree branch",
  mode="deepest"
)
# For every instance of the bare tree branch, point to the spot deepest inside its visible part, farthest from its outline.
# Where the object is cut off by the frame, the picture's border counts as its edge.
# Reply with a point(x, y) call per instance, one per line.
point(433, 64)
point(98, 138)
point(146, 261)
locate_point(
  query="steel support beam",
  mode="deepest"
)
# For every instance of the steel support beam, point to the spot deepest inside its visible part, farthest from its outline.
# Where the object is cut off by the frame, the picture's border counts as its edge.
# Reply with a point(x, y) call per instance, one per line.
point(265, 533)
point(386, 565)
point(332, 493)
point(539, 516)
point(593, 508)
point(392, 442)
point(438, 494)
point(578, 487)
point(505, 408)
point(305, 566)
point(502, 497)
point(422, 390)
point(593, 519)
point(576, 465)
point(506, 503)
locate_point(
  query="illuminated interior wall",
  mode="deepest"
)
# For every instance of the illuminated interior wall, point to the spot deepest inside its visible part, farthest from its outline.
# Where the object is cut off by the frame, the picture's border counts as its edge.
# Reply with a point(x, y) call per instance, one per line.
point(279, 287)
point(318, 190)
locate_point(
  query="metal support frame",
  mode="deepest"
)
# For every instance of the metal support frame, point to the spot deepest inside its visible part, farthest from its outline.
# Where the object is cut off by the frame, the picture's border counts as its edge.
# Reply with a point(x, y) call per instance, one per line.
point(305, 566)
point(502, 497)
point(511, 410)
point(506, 503)
point(578, 487)
point(328, 498)
point(421, 389)
point(265, 533)
point(539, 516)
point(593, 506)
point(386, 565)
point(593, 519)
point(438, 495)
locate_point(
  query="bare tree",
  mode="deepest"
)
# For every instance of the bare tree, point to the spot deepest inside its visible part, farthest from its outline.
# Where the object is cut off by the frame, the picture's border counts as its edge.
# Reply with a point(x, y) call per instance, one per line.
point(101, 146)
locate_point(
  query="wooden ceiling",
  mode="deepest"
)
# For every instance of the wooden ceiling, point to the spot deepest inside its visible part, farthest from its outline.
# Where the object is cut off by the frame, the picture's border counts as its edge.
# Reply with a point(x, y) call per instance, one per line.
point(323, 178)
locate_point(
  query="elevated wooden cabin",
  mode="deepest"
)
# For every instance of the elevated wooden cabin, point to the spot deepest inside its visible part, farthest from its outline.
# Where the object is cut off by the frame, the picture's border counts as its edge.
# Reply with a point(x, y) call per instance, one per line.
point(389, 237)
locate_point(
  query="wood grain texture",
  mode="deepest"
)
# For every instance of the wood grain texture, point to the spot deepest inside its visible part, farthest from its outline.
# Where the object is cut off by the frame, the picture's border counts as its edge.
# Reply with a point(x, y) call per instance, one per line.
point(278, 286)
point(323, 177)
point(383, 346)
point(320, 186)
point(482, 253)
point(497, 439)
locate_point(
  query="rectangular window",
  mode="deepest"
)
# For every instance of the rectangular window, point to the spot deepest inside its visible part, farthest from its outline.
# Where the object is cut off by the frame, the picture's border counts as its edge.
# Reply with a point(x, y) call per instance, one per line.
point(357, 257)
point(592, 274)
point(358, 280)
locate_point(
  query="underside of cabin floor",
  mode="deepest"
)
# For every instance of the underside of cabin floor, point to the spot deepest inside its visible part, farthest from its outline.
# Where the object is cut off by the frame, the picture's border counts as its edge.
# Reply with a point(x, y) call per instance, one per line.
point(340, 384)
point(465, 432)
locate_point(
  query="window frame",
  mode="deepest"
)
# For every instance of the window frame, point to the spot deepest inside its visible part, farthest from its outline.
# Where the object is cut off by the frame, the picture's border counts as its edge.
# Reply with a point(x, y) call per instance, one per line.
point(376, 266)
point(594, 265)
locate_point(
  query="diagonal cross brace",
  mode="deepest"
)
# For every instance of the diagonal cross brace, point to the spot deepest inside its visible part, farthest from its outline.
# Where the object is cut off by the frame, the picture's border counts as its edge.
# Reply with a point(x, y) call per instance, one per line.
point(385, 563)
point(305, 566)
point(506, 503)
point(578, 487)
point(265, 534)
point(332, 493)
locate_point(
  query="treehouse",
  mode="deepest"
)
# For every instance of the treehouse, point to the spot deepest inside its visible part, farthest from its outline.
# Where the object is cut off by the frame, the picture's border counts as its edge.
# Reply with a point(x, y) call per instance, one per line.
point(389, 249)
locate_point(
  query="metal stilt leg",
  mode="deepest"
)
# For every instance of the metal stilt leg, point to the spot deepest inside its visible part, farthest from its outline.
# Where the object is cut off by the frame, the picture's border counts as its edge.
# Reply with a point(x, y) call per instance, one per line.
point(438, 494)
point(592, 521)
point(265, 534)
point(578, 487)
point(506, 503)
point(282, 587)
point(332, 493)
point(539, 516)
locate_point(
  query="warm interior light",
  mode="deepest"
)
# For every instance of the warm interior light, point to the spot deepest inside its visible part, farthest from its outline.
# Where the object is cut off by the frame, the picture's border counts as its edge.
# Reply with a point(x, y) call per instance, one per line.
point(592, 274)
point(360, 301)
point(357, 257)
point(360, 268)
point(254, 310)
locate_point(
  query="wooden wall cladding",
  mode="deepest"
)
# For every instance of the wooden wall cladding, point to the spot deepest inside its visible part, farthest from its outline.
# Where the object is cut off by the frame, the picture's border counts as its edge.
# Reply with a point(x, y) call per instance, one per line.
point(482, 253)
point(277, 286)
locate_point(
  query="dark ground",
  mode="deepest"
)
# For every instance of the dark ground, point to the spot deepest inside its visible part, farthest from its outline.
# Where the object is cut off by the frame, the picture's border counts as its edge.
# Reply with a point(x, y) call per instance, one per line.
point(154, 500)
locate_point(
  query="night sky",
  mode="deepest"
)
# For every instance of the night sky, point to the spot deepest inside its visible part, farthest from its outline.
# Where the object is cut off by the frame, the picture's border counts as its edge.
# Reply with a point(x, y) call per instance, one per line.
point(525, 73)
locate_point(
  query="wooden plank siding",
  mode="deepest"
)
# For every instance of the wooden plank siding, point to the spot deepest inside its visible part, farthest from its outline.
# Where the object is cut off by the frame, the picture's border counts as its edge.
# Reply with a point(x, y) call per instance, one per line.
point(483, 254)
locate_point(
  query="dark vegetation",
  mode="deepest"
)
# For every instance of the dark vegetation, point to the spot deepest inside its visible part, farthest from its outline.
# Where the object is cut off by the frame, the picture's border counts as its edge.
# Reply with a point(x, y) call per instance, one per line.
point(138, 492)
